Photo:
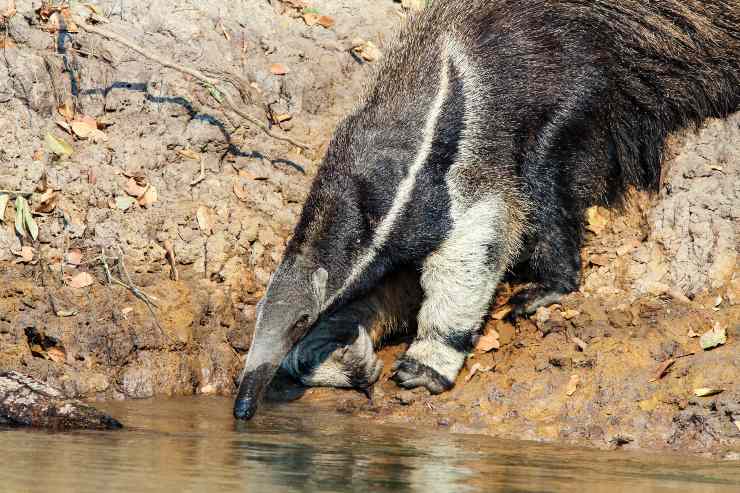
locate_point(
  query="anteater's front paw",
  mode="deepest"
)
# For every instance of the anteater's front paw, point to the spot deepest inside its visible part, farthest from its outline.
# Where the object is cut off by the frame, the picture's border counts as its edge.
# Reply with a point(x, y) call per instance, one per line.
point(409, 374)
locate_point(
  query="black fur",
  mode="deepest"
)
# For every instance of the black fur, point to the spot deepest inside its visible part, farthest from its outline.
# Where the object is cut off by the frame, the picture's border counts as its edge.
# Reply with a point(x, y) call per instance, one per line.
point(550, 107)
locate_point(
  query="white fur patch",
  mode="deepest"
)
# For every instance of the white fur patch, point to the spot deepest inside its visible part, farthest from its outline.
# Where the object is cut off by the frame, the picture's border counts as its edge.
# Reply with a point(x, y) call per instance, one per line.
point(406, 186)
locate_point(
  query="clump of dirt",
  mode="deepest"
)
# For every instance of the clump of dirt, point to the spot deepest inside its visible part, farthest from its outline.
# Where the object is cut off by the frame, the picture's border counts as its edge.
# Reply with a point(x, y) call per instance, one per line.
point(160, 178)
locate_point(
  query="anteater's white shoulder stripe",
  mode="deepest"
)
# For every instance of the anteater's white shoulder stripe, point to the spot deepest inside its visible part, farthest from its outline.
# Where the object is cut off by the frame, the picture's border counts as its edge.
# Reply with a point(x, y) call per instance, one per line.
point(406, 187)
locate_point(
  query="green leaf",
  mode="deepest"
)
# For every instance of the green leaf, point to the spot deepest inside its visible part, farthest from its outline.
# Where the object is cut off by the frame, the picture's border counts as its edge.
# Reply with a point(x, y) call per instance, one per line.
point(215, 93)
point(713, 338)
point(311, 10)
point(31, 225)
point(20, 203)
point(4, 198)
point(58, 146)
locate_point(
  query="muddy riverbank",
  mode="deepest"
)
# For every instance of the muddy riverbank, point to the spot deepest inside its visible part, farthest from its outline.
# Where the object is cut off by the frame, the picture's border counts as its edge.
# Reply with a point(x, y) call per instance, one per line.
point(92, 306)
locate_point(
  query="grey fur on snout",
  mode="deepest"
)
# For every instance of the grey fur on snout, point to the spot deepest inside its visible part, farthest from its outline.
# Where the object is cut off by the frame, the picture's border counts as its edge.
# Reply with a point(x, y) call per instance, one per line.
point(292, 303)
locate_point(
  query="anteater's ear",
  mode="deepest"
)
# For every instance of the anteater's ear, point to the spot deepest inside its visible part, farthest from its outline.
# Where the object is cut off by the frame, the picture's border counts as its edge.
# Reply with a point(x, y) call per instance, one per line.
point(319, 279)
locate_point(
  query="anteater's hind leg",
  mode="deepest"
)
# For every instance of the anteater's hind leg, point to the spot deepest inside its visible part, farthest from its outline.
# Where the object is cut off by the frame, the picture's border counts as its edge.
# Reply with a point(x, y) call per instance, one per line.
point(553, 267)
point(340, 349)
point(459, 280)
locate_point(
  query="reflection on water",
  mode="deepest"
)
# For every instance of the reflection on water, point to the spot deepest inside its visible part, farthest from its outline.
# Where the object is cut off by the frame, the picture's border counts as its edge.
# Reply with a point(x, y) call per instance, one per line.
point(193, 444)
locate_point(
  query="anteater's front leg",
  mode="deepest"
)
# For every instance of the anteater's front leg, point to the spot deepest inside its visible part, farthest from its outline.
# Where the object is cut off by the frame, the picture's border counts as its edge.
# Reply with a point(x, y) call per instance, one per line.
point(339, 351)
point(459, 280)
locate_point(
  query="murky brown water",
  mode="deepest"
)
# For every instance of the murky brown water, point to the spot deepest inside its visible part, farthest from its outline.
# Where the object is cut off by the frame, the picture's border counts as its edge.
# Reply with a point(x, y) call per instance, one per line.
point(193, 444)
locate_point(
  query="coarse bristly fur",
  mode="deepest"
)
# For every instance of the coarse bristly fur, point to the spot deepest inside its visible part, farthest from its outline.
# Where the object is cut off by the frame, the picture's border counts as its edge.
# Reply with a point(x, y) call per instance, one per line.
point(489, 128)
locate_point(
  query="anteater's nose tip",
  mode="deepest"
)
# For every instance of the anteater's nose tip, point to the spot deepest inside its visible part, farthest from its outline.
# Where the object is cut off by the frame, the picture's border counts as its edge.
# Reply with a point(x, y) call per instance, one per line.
point(244, 409)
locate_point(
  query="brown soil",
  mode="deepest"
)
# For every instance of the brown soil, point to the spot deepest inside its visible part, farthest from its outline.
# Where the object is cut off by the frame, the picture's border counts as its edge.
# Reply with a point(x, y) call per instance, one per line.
point(633, 313)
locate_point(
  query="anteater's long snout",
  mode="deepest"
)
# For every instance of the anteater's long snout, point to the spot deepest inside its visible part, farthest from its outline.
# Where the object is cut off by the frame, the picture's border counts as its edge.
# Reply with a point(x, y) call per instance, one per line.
point(290, 306)
point(252, 389)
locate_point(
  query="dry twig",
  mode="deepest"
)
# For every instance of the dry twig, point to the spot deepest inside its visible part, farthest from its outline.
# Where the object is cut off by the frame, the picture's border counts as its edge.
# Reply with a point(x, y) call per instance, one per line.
point(196, 74)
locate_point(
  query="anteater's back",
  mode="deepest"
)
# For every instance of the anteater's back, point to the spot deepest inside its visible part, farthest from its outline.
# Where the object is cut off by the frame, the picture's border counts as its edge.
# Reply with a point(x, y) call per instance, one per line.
point(610, 77)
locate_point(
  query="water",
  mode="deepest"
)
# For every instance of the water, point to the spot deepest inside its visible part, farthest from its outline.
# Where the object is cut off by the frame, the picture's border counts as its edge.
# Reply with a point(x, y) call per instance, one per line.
point(193, 444)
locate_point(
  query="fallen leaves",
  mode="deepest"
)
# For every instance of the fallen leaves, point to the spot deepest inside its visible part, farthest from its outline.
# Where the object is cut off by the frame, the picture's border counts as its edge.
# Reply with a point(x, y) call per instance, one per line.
point(573, 383)
point(47, 202)
point(596, 220)
point(312, 18)
point(366, 50)
point(477, 368)
point(57, 146)
point(278, 69)
point(81, 280)
point(502, 312)
point(24, 222)
point(25, 255)
point(713, 338)
point(85, 127)
point(4, 199)
point(189, 154)
point(124, 202)
point(569, 314)
point(488, 341)
point(145, 193)
point(707, 391)
point(205, 219)
point(74, 257)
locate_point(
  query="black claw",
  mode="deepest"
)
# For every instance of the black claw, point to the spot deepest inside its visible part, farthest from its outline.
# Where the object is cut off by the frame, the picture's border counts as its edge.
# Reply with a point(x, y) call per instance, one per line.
point(408, 369)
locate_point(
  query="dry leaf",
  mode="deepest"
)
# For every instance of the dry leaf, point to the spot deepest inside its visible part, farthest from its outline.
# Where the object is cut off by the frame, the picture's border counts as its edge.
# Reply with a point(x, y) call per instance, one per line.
point(599, 260)
point(81, 280)
point(718, 301)
point(4, 199)
point(47, 201)
point(279, 69)
point(568, 314)
point(580, 343)
point(150, 197)
point(662, 369)
point(134, 189)
point(189, 154)
point(737, 424)
point(25, 254)
point(240, 192)
point(477, 368)
point(38, 154)
point(326, 22)
point(56, 354)
point(311, 18)
point(203, 216)
point(713, 338)
point(501, 313)
point(692, 334)
point(366, 50)
point(74, 257)
point(573, 385)
point(488, 341)
point(66, 313)
point(66, 111)
point(123, 202)
point(98, 136)
point(596, 221)
point(6, 42)
point(706, 391)
point(57, 146)
point(83, 126)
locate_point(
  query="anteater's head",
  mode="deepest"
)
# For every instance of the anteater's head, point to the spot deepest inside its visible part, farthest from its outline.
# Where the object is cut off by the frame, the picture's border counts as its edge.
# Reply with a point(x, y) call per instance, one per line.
point(330, 258)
